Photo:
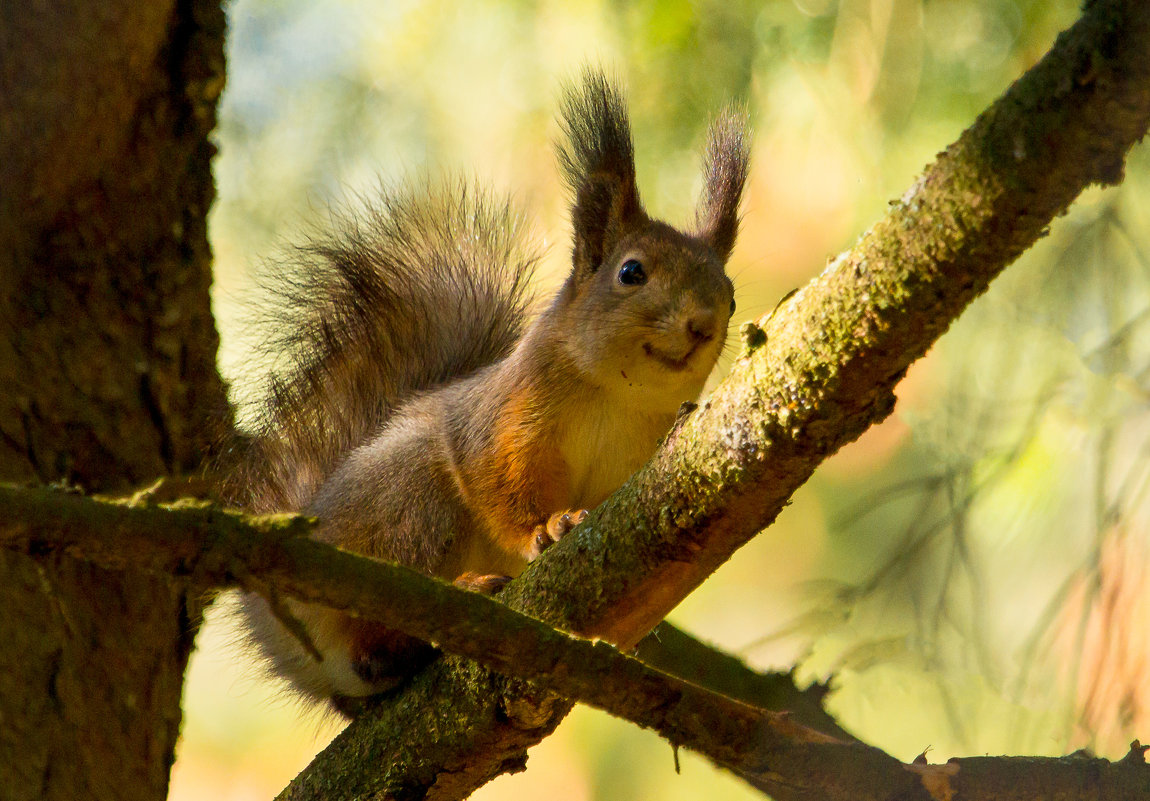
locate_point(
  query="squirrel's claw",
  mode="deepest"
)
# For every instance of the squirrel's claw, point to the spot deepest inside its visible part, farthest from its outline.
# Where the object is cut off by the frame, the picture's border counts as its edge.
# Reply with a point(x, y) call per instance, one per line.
point(562, 522)
point(555, 529)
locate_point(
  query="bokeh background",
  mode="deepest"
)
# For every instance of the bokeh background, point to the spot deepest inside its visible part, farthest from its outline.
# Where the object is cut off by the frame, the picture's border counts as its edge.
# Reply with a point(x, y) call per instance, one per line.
point(971, 576)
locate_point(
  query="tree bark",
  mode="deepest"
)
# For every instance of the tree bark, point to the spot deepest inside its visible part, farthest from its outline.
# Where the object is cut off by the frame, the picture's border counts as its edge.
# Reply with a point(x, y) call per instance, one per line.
point(107, 360)
point(814, 375)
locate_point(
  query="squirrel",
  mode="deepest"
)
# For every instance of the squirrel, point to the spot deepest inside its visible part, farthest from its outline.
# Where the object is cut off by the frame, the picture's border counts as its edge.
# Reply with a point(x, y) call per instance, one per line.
point(423, 417)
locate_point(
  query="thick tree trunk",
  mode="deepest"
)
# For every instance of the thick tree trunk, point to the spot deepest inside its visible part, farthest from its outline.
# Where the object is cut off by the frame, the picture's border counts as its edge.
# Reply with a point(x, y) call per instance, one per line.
point(107, 363)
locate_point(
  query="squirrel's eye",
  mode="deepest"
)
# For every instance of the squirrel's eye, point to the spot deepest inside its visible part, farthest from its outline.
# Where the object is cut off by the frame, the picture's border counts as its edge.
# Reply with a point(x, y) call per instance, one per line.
point(632, 274)
point(732, 305)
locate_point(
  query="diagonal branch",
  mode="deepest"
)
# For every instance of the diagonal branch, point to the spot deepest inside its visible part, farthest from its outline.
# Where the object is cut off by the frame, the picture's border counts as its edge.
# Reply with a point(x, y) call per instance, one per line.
point(813, 377)
point(768, 749)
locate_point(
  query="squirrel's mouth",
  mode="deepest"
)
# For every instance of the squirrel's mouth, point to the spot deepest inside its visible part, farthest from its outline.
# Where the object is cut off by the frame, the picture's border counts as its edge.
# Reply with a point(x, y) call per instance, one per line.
point(673, 363)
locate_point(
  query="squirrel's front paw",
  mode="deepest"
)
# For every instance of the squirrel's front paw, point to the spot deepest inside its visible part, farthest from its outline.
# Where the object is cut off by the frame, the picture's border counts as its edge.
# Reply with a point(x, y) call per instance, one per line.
point(554, 529)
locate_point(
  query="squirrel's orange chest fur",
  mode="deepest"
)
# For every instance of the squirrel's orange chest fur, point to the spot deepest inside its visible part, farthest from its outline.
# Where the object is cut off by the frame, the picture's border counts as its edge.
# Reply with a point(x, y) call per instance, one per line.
point(549, 455)
point(522, 477)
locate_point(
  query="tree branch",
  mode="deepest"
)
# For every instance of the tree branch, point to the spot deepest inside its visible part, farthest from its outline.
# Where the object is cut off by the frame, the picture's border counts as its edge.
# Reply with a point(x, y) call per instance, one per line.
point(673, 651)
point(214, 548)
point(814, 375)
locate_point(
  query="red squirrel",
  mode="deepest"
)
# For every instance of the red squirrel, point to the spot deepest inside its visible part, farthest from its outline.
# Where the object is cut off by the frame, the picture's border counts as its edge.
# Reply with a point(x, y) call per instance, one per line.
point(424, 417)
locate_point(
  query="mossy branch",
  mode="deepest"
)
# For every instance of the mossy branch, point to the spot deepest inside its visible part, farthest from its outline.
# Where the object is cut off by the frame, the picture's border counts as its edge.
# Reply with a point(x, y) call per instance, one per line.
point(212, 548)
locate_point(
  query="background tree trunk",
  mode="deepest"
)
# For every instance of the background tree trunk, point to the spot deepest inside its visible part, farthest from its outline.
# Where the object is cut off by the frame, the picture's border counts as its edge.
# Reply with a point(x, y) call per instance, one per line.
point(107, 360)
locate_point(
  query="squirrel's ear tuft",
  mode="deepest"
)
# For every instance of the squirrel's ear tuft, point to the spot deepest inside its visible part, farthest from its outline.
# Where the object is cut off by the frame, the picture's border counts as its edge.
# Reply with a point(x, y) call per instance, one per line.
point(598, 162)
point(725, 166)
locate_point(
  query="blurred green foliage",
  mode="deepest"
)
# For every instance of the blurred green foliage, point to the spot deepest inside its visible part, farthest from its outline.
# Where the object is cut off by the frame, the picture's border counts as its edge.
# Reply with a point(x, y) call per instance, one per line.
point(971, 575)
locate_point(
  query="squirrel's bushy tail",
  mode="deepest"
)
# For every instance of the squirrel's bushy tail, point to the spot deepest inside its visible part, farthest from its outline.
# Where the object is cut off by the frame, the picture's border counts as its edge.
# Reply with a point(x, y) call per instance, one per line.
point(421, 285)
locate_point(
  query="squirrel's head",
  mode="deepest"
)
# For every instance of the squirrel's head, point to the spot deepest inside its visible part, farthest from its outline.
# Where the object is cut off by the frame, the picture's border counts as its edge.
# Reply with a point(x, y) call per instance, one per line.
point(647, 305)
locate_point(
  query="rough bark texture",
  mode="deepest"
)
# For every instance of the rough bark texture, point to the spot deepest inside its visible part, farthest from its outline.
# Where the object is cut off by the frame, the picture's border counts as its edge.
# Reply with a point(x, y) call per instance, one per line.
point(815, 374)
point(107, 360)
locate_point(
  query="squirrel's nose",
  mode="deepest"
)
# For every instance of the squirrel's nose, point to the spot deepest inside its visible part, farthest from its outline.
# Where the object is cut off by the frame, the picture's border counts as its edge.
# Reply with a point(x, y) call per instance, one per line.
point(701, 325)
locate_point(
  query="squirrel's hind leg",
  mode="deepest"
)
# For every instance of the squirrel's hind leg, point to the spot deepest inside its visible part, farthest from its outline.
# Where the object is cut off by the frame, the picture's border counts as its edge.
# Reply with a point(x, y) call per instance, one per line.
point(486, 583)
point(357, 658)
point(380, 656)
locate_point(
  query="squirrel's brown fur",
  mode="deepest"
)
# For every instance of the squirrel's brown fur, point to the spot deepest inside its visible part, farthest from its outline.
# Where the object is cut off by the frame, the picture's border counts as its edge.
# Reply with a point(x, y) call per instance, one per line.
point(419, 286)
point(420, 417)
